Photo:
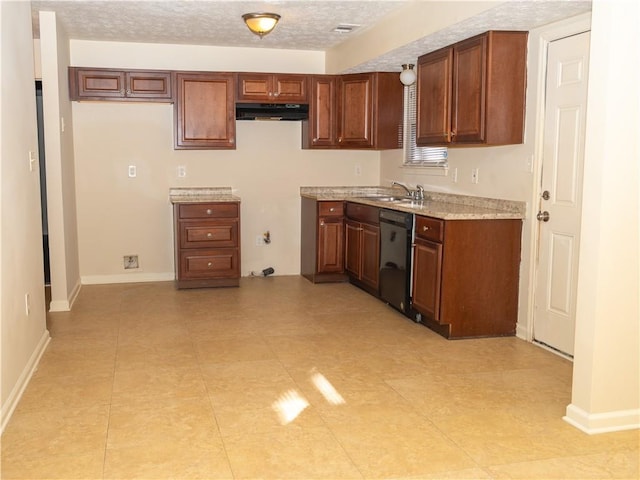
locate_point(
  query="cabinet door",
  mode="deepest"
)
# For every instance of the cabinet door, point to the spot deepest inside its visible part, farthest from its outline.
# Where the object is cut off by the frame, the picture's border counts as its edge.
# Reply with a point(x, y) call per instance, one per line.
point(254, 87)
point(370, 255)
point(427, 274)
point(433, 115)
point(289, 88)
point(320, 129)
point(352, 248)
point(355, 127)
point(156, 85)
point(469, 90)
point(330, 245)
point(99, 83)
point(272, 88)
point(204, 111)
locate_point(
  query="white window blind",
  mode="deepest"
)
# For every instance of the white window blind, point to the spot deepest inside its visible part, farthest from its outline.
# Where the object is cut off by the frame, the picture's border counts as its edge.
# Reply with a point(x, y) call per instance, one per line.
point(415, 156)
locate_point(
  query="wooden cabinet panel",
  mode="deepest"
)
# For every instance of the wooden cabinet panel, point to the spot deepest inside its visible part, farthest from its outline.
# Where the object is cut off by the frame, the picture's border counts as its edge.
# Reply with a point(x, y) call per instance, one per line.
point(204, 112)
point(331, 245)
point(320, 130)
point(473, 92)
point(355, 111)
point(322, 240)
point(207, 244)
point(433, 102)
point(427, 272)
point(362, 246)
point(119, 85)
point(271, 88)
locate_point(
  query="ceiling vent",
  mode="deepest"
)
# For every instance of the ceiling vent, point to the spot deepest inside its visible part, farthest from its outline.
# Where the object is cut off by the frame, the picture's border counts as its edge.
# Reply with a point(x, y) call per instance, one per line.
point(345, 28)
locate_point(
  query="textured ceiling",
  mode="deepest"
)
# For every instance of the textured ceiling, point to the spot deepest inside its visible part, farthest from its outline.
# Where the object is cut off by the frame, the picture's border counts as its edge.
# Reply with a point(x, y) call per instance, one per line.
point(217, 22)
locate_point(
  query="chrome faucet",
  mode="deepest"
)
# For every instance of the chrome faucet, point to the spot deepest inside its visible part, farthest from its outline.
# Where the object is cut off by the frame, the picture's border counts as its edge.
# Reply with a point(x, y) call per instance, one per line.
point(417, 194)
point(409, 192)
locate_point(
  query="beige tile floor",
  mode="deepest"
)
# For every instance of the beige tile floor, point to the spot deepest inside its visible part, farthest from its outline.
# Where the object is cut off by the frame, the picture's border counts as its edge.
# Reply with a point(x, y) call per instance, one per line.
point(143, 381)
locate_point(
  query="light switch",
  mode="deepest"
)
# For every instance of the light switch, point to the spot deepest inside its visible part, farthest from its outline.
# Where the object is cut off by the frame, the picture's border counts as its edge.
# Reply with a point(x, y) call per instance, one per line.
point(132, 171)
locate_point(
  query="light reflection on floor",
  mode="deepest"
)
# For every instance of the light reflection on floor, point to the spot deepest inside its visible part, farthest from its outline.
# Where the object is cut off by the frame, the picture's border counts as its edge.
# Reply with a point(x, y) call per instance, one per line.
point(291, 403)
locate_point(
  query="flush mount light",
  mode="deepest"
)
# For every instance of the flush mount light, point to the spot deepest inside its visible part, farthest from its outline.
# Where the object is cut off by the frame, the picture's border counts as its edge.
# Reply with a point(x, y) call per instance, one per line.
point(261, 23)
point(408, 75)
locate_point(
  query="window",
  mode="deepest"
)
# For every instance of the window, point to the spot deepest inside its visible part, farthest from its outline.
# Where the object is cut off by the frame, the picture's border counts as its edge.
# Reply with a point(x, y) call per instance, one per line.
point(415, 156)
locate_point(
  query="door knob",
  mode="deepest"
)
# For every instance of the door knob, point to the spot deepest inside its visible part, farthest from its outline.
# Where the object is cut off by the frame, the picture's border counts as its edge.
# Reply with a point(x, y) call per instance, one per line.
point(546, 195)
point(543, 216)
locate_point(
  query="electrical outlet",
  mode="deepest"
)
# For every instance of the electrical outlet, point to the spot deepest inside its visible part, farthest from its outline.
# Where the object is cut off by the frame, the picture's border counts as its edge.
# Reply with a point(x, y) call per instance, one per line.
point(132, 171)
point(358, 170)
point(474, 175)
point(182, 171)
point(454, 175)
point(130, 261)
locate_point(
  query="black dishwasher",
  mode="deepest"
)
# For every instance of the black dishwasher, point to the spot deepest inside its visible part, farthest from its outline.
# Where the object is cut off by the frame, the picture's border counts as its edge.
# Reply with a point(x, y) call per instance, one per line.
point(396, 232)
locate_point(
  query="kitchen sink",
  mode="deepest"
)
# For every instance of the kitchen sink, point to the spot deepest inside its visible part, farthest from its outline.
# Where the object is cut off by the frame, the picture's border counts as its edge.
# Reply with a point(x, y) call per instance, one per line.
point(389, 198)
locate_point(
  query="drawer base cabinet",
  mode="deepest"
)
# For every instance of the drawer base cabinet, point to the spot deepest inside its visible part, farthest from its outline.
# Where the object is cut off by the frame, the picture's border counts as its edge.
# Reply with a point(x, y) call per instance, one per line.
point(322, 241)
point(207, 244)
point(466, 275)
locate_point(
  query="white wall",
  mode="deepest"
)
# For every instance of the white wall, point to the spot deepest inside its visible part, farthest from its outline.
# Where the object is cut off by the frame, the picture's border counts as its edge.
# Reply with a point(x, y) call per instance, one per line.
point(120, 216)
point(58, 134)
point(24, 336)
point(606, 381)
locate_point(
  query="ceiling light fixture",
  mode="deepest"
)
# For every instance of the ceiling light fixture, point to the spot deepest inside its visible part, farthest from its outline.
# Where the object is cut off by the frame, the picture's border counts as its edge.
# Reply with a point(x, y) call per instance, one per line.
point(261, 23)
point(408, 75)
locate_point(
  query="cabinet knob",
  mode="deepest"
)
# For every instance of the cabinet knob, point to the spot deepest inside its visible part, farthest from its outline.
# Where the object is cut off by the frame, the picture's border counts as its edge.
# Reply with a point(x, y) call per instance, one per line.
point(424, 229)
point(209, 235)
point(332, 209)
point(209, 264)
point(339, 139)
point(276, 94)
point(128, 91)
point(322, 223)
point(209, 212)
point(315, 140)
point(271, 94)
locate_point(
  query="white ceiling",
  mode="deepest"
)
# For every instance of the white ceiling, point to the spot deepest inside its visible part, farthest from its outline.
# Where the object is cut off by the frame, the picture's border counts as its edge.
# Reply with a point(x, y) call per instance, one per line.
point(219, 22)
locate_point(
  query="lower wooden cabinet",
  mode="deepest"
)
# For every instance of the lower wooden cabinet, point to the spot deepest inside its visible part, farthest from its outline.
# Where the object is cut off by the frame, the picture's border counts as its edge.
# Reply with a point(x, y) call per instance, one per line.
point(465, 276)
point(362, 246)
point(322, 241)
point(207, 244)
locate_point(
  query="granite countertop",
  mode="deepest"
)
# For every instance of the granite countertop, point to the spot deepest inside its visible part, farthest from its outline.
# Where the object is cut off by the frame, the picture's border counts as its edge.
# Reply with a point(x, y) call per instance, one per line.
point(446, 206)
point(201, 194)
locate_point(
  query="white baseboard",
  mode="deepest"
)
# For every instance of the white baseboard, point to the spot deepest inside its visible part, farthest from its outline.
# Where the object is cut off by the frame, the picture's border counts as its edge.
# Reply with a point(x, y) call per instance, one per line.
point(593, 423)
point(65, 305)
point(9, 406)
point(134, 277)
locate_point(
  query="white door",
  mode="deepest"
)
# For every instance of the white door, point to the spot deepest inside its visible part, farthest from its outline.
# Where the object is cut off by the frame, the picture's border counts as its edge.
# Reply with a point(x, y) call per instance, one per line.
point(561, 192)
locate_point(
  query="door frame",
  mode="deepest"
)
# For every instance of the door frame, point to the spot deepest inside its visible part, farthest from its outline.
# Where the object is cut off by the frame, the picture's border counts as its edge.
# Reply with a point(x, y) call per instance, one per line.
point(572, 26)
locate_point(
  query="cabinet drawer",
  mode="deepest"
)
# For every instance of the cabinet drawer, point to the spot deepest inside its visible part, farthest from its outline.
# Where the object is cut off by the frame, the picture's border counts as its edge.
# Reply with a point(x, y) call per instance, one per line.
point(429, 228)
point(208, 210)
point(330, 209)
point(214, 263)
point(363, 213)
point(221, 233)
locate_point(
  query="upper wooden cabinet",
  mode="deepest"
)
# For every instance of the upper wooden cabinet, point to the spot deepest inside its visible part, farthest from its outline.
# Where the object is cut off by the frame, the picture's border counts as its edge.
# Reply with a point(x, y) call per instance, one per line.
point(473, 92)
point(271, 88)
point(204, 111)
point(119, 85)
point(370, 110)
point(320, 130)
point(356, 111)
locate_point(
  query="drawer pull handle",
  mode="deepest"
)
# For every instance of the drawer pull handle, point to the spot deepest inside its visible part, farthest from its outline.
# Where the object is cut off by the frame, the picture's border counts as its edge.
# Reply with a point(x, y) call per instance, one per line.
point(209, 212)
point(209, 235)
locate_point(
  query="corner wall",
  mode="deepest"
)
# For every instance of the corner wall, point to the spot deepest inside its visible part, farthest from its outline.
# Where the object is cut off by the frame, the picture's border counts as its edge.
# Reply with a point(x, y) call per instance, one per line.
point(23, 333)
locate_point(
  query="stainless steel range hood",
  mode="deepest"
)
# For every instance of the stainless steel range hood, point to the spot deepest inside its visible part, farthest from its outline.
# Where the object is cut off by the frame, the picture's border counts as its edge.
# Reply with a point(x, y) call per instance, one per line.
point(272, 111)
